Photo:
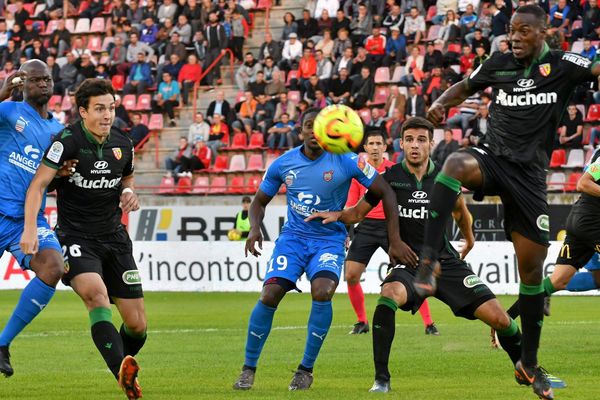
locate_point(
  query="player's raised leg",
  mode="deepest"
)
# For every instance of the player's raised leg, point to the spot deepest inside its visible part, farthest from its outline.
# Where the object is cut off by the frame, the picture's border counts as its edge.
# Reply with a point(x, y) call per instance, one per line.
point(353, 271)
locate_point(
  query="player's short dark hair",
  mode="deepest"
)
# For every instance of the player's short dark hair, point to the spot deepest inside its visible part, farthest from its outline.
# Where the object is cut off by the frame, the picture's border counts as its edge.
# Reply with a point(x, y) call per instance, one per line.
point(373, 132)
point(312, 112)
point(417, 123)
point(535, 10)
point(90, 88)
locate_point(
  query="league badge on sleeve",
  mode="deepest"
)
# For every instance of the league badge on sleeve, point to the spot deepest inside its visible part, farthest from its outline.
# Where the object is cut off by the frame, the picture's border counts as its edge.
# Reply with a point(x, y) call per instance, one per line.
point(55, 152)
point(117, 152)
point(365, 167)
point(545, 69)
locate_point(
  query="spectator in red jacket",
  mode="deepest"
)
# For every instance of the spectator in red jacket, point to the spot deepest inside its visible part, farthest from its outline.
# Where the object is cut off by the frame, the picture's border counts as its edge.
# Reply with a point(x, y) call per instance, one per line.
point(466, 60)
point(188, 75)
point(307, 65)
point(375, 46)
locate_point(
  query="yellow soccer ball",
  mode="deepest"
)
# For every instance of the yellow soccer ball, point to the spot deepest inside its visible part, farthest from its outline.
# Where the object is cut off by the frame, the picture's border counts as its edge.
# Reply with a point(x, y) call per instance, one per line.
point(234, 235)
point(338, 129)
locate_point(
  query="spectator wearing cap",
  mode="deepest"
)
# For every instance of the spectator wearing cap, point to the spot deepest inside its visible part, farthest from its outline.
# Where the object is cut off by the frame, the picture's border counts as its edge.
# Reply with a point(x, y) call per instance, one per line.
point(361, 25)
point(246, 73)
point(140, 76)
point(167, 98)
point(376, 46)
point(189, 75)
point(60, 40)
point(292, 51)
point(414, 26)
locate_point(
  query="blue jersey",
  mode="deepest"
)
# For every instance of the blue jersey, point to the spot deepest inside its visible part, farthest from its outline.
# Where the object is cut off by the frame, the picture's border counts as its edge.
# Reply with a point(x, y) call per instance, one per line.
point(24, 136)
point(315, 186)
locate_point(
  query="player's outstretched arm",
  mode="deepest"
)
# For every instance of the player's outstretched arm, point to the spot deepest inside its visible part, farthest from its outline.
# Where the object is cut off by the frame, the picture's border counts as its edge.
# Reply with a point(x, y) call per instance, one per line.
point(33, 202)
point(464, 220)
point(454, 96)
point(587, 183)
point(348, 216)
point(256, 214)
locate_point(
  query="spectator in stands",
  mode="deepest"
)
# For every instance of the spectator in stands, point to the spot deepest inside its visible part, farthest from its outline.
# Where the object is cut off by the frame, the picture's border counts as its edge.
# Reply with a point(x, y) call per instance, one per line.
point(184, 29)
point(216, 43)
point(340, 88)
point(324, 22)
point(480, 56)
point(444, 148)
point(200, 157)
point(503, 46)
point(78, 48)
point(93, 10)
point(149, 32)
point(138, 131)
point(269, 49)
point(499, 27)
point(259, 85)
point(73, 113)
point(4, 35)
point(278, 134)
point(199, 130)
point(479, 125)
point(58, 113)
point(395, 48)
point(331, 6)
point(175, 47)
point(21, 14)
point(285, 106)
point(450, 28)
point(28, 37)
point(351, 8)
point(340, 22)
point(133, 49)
point(361, 25)
point(341, 44)
point(394, 19)
point(193, 13)
point(277, 85)
point(377, 121)
point(167, 10)
point(590, 28)
point(293, 138)
point(320, 101)
point(218, 106)
point(415, 103)
point(442, 8)
point(289, 26)
point(344, 62)
point(292, 51)
point(309, 91)
point(467, 111)
point(413, 71)
point(206, 8)
point(38, 52)
point(140, 76)
point(466, 59)
point(571, 128)
point(219, 136)
point(395, 101)
point(16, 35)
point(183, 153)
point(60, 40)
point(588, 51)
point(375, 45)
point(325, 45)
point(118, 14)
point(477, 39)
point(7, 70)
point(151, 9)
point(163, 36)
point(188, 76)
point(433, 58)
point(560, 18)
point(324, 67)
point(166, 98)
point(414, 26)
point(246, 114)
point(308, 27)
point(135, 14)
point(362, 89)
point(263, 116)
point(247, 72)
point(68, 76)
point(116, 55)
point(173, 66)
point(393, 129)
point(432, 86)
point(361, 60)
point(307, 67)
point(467, 20)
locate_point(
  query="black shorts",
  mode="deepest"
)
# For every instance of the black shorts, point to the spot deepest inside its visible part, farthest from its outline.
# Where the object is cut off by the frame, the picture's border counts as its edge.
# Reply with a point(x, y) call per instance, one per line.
point(369, 235)
point(458, 287)
point(109, 256)
point(582, 240)
point(522, 190)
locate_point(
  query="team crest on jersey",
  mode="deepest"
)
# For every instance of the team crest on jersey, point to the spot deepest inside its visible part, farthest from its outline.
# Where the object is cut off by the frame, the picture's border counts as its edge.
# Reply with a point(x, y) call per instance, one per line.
point(290, 177)
point(328, 176)
point(21, 124)
point(545, 69)
point(117, 152)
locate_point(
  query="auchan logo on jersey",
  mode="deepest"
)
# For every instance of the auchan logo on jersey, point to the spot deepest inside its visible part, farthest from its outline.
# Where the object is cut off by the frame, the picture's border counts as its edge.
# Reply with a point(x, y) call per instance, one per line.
point(413, 213)
point(101, 183)
point(528, 99)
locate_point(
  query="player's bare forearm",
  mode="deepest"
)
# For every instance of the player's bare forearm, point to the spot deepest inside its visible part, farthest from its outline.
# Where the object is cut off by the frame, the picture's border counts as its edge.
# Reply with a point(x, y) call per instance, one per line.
point(464, 219)
point(256, 212)
point(356, 213)
point(382, 190)
point(455, 95)
point(128, 182)
point(35, 195)
point(586, 184)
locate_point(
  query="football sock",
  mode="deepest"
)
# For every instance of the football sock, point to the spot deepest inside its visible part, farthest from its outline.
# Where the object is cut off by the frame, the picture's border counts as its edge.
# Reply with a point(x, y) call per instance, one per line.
point(510, 340)
point(357, 298)
point(34, 298)
point(425, 313)
point(549, 290)
point(259, 327)
point(106, 338)
point(581, 282)
point(132, 343)
point(319, 322)
point(531, 305)
point(384, 328)
point(443, 200)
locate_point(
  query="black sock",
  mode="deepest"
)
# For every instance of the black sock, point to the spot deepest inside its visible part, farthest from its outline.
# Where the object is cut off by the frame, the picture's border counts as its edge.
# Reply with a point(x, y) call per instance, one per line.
point(513, 311)
point(443, 201)
point(107, 339)
point(510, 340)
point(549, 289)
point(384, 328)
point(131, 343)
point(531, 305)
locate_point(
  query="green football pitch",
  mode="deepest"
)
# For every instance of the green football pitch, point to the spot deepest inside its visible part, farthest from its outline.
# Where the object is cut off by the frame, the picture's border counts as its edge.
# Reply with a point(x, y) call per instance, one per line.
point(196, 341)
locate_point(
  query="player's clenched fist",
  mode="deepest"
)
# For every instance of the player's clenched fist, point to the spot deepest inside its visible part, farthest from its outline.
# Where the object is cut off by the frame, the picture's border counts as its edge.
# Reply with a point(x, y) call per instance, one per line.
point(29, 242)
point(401, 253)
point(129, 201)
point(253, 237)
point(436, 113)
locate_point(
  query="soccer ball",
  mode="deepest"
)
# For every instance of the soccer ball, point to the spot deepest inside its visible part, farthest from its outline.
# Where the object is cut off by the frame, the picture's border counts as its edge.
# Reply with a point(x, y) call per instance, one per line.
point(234, 235)
point(338, 129)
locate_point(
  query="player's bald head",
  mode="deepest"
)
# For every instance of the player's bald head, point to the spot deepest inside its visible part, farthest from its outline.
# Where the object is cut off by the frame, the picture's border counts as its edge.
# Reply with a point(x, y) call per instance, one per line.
point(38, 86)
point(33, 66)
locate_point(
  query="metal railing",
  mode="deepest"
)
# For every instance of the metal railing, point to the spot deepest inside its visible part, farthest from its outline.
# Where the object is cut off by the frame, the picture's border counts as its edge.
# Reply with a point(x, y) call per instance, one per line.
point(138, 147)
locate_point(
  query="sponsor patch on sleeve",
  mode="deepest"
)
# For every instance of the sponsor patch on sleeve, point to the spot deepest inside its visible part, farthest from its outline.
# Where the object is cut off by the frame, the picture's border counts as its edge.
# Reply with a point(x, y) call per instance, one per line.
point(366, 168)
point(55, 152)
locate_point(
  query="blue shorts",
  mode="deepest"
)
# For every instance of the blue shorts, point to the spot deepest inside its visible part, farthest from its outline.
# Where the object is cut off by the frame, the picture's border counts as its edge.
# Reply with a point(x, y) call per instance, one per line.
point(11, 230)
point(294, 255)
point(594, 263)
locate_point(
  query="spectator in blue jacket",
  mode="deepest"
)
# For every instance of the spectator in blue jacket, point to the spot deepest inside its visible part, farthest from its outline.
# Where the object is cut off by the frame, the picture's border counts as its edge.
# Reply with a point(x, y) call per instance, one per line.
point(395, 48)
point(149, 32)
point(140, 76)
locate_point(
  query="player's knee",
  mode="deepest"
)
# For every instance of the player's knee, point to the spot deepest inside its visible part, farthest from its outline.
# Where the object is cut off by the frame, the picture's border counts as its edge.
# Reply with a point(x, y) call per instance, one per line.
point(499, 321)
point(352, 278)
point(138, 326)
point(94, 299)
point(271, 295)
point(455, 165)
point(50, 270)
point(394, 291)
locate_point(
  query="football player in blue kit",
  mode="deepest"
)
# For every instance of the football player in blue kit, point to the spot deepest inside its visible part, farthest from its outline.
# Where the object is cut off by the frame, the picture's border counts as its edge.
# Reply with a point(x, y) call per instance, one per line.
point(26, 130)
point(315, 181)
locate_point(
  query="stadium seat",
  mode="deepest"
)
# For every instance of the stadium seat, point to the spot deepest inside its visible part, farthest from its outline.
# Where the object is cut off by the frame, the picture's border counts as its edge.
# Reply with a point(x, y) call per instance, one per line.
point(571, 185)
point(581, 109)
point(556, 182)
point(433, 33)
point(30, 8)
point(82, 26)
point(382, 75)
point(53, 100)
point(291, 75)
point(201, 185)
point(257, 140)
point(220, 163)
point(144, 119)
point(438, 135)
point(70, 24)
point(66, 103)
point(11, 8)
point(118, 82)
point(270, 158)
point(239, 141)
point(457, 135)
point(143, 102)
point(593, 113)
point(558, 158)
point(156, 122)
point(97, 25)
point(431, 12)
point(263, 4)
point(39, 8)
point(237, 163)
point(167, 185)
point(218, 185)
point(106, 41)
point(365, 115)
point(294, 96)
point(454, 48)
point(237, 185)
point(398, 73)
point(381, 94)
point(588, 155)
point(51, 27)
point(184, 185)
point(575, 159)
point(255, 163)
point(129, 102)
point(253, 183)
point(95, 44)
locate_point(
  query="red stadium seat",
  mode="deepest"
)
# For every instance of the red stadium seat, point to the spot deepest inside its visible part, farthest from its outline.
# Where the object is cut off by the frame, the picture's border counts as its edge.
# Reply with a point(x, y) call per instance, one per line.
point(51, 27)
point(571, 185)
point(270, 158)
point(97, 25)
point(118, 82)
point(70, 24)
point(433, 33)
point(30, 8)
point(129, 102)
point(83, 6)
point(253, 183)
point(156, 122)
point(201, 185)
point(53, 100)
point(237, 163)
point(255, 163)
point(365, 115)
point(184, 186)
point(457, 135)
point(237, 185)
point(593, 113)
point(143, 102)
point(144, 119)
point(167, 186)
point(95, 44)
point(66, 103)
point(294, 96)
point(431, 12)
point(82, 26)
point(381, 94)
point(239, 141)
point(264, 4)
point(257, 140)
point(218, 185)
point(220, 163)
point(558, 158)
point(291, 75)
point(454, 48)
point(382, 75)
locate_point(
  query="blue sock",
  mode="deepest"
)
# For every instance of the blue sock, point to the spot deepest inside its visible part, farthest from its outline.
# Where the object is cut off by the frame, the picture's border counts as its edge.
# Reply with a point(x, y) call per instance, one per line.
point(582, 281)
point(319, 322)
point(34, 298)
point(259, 327)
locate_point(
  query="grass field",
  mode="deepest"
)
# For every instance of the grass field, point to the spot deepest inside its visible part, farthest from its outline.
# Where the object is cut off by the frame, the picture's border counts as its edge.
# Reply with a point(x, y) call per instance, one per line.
point(196, 340)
